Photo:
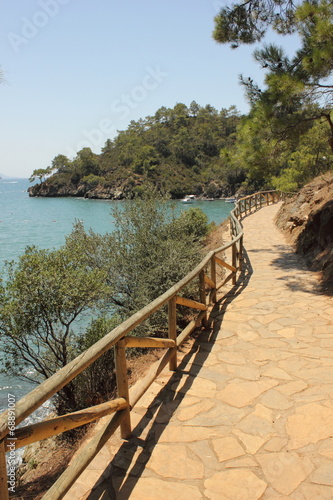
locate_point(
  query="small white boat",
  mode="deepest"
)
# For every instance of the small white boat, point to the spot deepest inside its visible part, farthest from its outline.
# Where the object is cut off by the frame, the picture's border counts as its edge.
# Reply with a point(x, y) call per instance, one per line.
point(189, 198)
point(230, 200)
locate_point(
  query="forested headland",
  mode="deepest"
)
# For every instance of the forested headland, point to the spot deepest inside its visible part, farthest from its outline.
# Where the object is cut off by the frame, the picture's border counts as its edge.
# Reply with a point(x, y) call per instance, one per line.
point(199, 150)
point(178, 150)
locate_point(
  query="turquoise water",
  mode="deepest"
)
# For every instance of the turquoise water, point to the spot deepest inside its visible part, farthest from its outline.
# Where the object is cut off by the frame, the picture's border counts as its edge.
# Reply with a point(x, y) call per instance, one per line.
point(45, 222)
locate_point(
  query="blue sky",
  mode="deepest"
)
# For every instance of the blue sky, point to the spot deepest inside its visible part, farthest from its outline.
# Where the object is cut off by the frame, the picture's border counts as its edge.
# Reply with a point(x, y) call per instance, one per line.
point(77, 71)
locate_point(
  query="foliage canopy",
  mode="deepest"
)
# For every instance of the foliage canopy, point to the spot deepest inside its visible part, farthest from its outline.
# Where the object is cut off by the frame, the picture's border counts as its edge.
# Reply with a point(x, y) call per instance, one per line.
point(296, 103)
point(248, 21)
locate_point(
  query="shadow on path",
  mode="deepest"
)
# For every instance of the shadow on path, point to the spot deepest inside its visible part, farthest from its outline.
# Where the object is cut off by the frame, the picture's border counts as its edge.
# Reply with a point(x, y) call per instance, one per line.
point(298, 277)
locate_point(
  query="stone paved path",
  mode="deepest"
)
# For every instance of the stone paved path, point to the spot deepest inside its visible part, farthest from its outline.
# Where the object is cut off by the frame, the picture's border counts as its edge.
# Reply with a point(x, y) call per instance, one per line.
point(249, 415)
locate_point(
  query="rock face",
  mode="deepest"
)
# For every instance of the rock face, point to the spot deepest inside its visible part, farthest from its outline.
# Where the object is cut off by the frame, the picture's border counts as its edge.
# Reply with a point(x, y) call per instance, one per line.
point(51, 190)
point(125, 188)
point(307, 220)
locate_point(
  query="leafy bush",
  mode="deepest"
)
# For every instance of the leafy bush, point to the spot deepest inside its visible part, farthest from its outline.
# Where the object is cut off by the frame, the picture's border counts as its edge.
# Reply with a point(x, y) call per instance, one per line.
point(47, 294)
point(97, 382)
point(194, 223)
point(43, 296)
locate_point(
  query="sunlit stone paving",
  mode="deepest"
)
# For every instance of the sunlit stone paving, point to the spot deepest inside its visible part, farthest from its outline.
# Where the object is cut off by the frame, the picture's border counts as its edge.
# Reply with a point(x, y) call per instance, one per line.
point(249, 413)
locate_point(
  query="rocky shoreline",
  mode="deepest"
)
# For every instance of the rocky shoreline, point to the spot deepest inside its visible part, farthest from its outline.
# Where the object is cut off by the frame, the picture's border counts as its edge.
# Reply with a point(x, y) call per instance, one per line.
point(118, 191)
point(49, 190)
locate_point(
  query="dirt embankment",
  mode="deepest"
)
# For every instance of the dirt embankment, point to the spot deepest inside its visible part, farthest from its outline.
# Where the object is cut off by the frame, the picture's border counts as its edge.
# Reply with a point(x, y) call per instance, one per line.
point(307, 221)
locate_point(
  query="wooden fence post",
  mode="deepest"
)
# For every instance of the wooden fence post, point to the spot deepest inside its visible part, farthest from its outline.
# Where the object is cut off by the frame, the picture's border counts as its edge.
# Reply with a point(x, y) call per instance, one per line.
point(172, 327)
point(240, 254)
point(213, 278)
point(4, 494)
point(203, 295)
point(234, 262)
point(122, 385)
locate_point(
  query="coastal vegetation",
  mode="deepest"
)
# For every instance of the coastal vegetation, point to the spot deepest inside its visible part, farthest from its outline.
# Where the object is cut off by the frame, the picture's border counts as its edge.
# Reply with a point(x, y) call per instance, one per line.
point(57, 303)
point(287, 138)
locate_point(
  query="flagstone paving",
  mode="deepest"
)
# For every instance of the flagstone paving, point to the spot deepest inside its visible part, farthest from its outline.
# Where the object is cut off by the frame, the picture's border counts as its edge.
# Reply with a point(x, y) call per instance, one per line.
point(249, 413)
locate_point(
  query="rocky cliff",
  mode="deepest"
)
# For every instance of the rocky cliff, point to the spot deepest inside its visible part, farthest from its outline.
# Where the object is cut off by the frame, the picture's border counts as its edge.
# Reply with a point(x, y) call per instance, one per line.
point(307, 221)
point(53, 190)
point(120, 190)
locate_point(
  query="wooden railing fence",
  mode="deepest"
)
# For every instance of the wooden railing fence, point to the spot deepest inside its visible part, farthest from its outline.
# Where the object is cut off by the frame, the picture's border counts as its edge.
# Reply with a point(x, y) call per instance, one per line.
point(118, 410)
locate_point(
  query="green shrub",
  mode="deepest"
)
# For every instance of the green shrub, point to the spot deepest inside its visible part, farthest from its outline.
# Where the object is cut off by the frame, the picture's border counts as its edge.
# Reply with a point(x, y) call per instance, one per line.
point(194, 223)
point(48, 293)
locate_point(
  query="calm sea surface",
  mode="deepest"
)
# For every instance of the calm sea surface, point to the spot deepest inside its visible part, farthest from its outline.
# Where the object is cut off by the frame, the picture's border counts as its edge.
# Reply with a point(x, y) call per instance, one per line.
point(45, 222)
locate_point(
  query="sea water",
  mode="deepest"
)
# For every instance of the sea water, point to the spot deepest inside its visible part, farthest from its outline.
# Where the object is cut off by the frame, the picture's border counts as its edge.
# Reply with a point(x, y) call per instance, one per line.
point(45, 222)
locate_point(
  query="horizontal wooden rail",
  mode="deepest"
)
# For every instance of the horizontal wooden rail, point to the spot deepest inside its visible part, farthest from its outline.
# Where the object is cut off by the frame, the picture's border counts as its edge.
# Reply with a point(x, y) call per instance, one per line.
point(148, 342)
point(190, 303)
point(88, 452)
point(189, 328)
point(55, 426)
point(120, 340)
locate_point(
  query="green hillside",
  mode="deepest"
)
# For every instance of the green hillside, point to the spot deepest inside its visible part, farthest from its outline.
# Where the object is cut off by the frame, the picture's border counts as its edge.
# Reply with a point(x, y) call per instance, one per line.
point(177, 150)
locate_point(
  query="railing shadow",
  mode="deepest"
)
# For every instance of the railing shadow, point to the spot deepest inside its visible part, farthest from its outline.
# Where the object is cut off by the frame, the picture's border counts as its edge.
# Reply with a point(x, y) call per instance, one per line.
point(118, 481)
